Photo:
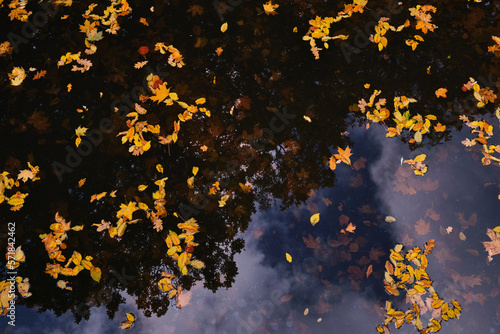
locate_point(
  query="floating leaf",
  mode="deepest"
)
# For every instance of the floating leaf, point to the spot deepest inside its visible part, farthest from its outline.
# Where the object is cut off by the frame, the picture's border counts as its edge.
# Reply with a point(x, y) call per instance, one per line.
point(223, 27)
point(314, 219)
point(288, 257)
point(390, 219)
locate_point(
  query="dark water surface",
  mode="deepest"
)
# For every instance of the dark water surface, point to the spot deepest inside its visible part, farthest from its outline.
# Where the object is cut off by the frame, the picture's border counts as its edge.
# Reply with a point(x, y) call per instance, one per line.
point(270, 76)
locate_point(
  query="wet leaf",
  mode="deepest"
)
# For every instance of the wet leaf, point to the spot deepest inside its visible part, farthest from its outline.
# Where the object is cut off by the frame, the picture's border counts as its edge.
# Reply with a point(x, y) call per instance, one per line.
point(223, 27)
point(314, 219)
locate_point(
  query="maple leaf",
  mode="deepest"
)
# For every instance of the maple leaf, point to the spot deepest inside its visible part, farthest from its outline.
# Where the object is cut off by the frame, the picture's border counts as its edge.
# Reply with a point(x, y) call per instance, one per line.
point(441, 92)
point(439, 127)
point(80, 131)
point(422, 228)
point(322, 307)
point(359, 164)
point(25, 174)
point(126, 210)
point(344, 155)
point(144, 21)
point(161, 93)
point(269, 8)
point(219, 51)
point(195, 10)
point(493, 246)
point(468, 143)
point(310, 242)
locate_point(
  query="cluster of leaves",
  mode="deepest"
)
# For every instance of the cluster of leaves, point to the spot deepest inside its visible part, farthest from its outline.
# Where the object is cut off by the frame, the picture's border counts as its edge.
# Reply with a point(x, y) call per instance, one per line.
point(68, 58)
point(7, 292)
point(18, 11)
point(402, 118)
point(54, 245)
point(182, 255)
point(18, 74)
point(484, 132)
point(482, 95)
point(341, 156)
point(16, 200)
point(108, 18)
point(419, 168)
point(320, 27)
point(175, 59)
point(162, 94)
point(407, 272)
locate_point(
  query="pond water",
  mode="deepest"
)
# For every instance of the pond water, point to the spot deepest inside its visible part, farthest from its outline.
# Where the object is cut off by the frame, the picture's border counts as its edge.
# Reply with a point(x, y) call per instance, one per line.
point(264, 156)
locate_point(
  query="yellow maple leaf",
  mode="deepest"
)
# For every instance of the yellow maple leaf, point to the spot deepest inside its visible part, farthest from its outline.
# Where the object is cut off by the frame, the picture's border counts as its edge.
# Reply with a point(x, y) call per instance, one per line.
point(126, 210)
point(80, 131)
point(161, 93)
point(344, 155)
point(269, 8)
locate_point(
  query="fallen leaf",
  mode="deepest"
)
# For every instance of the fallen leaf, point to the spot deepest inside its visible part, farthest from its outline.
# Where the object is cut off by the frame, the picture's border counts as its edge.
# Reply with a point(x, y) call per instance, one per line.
point(269, 8)
point(390, 219)
point(422, 228)
point(441, 92)
point(288, 257)
point(314, 219)
point(369, 270)
point(223, 27)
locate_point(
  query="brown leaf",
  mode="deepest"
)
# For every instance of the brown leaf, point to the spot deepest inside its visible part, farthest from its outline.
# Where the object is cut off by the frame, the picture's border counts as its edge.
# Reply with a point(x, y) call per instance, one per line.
point(493, 246)
point(422, 228)
point(310, 242)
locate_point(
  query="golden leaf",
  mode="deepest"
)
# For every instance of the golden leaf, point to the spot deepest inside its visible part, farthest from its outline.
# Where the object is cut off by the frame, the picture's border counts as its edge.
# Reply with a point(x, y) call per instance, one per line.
point(314, 219)
point(223, 27)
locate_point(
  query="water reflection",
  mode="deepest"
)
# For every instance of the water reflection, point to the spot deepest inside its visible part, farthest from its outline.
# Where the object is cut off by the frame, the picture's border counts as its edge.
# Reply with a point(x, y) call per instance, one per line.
point(270, 78)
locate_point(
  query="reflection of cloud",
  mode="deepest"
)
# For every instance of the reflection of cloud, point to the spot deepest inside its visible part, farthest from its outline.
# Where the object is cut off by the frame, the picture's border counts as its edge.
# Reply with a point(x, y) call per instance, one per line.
point(263, 299)
point(460, 182)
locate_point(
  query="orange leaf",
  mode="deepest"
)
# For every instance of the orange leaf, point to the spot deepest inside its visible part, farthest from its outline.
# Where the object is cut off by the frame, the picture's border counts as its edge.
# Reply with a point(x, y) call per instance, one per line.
point(39, 74)
point(369, 270)
point(441, 92)
point(350, 228)
point(344, 155)
point(161, 93)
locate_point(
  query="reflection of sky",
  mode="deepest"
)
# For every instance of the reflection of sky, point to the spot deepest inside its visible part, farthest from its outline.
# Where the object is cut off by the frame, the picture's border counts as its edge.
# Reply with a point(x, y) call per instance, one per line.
point(270, 294)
